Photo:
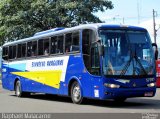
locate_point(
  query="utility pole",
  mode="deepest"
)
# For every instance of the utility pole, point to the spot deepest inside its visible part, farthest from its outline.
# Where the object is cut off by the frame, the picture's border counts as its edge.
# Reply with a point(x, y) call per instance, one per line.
point(123, 20)
point(138, 11)
point(154, 27)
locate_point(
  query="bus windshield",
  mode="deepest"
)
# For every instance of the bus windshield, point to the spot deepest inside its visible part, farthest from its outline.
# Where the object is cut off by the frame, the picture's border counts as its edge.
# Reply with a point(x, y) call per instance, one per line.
point(127, 53)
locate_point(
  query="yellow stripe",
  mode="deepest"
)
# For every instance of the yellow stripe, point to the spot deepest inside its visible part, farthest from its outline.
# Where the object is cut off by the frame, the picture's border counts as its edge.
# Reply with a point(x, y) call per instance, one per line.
point(50, 78)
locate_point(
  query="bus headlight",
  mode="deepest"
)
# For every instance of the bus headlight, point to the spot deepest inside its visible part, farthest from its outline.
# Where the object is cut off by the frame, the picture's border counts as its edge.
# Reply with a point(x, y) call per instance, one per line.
point(151, 84)
point(111, 85)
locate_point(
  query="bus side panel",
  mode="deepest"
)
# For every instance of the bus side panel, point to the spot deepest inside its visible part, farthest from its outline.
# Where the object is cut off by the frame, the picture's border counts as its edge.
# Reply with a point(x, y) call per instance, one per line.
point(76, 71)
point(5, 80)
point(29, 85)
point(73, 72)
point(36, 87)
point(38, 75)
point(34, 78)
point(97, 87)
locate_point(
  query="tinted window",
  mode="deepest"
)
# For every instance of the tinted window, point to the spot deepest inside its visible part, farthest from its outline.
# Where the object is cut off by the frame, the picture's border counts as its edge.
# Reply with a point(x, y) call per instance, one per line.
point(29, 49)
point(86, 41)
point(68, 42)
point(60, 44)
point(5, 53)
point(72, 42)
point(53, 45)
point(90, 52)
point(43, 47)
point(57, 44)
point(23, 50)
point(19, 51)
point(95, 66)
point(34, 48)
point(75, 42)
point(12, 52)
point(46, 47)
point(40, 47)
point(14, 55)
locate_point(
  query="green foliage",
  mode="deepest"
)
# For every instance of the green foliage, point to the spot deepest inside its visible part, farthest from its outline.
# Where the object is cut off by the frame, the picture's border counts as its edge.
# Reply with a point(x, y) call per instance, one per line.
point(22, 18)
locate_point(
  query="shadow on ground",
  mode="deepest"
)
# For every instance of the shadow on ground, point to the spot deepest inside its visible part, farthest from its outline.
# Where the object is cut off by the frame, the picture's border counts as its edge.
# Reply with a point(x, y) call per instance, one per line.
point(131, 103)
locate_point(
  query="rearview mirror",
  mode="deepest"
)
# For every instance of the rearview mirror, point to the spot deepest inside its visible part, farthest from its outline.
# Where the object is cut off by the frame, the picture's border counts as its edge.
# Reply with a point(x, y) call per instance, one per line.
point(155, 51)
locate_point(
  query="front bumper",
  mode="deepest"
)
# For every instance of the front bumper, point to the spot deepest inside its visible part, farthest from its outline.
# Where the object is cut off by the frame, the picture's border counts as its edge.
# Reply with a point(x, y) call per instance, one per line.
point(129, 92)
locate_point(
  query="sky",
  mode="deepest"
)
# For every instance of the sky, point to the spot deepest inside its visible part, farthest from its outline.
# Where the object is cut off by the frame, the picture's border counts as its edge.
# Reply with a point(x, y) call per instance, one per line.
point(134, 12)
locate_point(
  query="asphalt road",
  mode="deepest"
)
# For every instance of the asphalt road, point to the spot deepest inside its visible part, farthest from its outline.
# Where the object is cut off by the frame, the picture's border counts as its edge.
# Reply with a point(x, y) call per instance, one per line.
point(41, 103)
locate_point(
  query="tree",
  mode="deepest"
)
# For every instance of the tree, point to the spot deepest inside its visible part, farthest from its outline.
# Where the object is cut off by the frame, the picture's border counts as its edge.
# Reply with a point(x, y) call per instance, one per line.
point(22, 18)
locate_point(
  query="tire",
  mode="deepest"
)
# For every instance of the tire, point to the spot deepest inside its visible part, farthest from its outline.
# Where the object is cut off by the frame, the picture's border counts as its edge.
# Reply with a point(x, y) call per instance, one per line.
point(76, 93)
point(120, 100)
point(18, 89)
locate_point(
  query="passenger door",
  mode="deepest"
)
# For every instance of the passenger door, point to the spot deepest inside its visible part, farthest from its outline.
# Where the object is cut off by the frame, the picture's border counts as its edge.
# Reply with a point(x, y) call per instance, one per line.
point(95, 71)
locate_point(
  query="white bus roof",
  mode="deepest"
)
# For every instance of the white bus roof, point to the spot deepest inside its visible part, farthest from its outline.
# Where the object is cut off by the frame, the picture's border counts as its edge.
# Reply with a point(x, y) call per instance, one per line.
point(60, 30)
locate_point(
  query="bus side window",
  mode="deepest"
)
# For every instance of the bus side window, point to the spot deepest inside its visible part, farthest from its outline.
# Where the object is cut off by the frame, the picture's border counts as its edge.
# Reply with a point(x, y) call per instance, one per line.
point(90, 52)
point(46, 46)
point(95, 64)
point(5, 53)
point(19, 51)
point(34, 48)
point(40, 47)
point(60, 44)
point(68, 42)
point(43, 46)
point(12, 52)
point(75, 42)
point(29, 49)
point(87, 36)
point(14, 55)
point(23, 50)
point(72, 42)
point(53, 45)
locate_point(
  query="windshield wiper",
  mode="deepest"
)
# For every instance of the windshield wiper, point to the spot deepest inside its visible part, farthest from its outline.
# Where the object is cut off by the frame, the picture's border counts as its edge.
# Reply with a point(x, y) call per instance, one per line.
point(140, 64)
point(126, 66)
point(132, 57)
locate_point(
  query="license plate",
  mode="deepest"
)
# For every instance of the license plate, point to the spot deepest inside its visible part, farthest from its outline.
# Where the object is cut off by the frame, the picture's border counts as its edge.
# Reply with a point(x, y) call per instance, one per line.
point(148, 94)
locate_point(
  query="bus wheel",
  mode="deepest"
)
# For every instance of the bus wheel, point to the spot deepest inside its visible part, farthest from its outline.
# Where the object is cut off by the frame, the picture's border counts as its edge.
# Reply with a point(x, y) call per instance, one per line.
point(120, 100)
point(76, 93)
point(18, 90)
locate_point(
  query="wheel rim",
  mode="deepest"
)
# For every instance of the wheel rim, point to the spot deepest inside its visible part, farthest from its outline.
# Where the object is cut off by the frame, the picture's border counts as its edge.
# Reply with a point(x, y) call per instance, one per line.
point(18, 90)
point(76, 93)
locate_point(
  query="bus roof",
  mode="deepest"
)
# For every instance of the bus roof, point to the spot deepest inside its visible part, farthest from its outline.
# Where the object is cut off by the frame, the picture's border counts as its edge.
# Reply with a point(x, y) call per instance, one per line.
point(60, 30)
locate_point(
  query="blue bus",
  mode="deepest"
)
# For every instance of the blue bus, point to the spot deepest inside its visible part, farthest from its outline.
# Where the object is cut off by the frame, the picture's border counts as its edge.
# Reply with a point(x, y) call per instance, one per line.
point(97, 61)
